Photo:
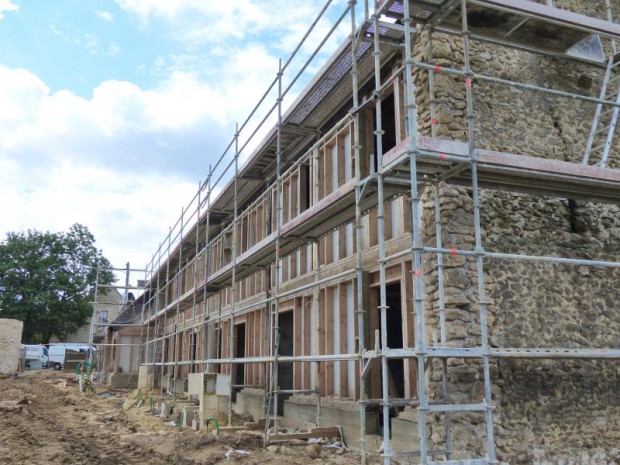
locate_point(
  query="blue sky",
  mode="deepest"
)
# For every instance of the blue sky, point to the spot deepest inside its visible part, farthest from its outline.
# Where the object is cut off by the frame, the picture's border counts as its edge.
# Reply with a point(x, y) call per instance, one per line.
point(49, 38)
point(111, 111)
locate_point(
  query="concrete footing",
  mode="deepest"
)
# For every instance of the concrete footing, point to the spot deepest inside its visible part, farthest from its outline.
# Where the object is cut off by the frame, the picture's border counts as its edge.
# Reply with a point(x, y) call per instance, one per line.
point(345, 414)
point(405, 435)
point(122, 380)
point(250, 401)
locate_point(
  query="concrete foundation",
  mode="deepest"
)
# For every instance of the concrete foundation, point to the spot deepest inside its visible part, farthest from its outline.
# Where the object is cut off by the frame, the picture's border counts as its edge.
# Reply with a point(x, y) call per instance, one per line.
point(404, 430)
point(250, 401)
point(122, 380)
point(345, 414)
point(178, 386)
point(10, 339)
point(145, 377)
point(187, 415)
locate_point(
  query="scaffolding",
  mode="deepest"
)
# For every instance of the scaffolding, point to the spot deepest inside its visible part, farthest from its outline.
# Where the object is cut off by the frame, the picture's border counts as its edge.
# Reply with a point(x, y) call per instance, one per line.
point(290, 211)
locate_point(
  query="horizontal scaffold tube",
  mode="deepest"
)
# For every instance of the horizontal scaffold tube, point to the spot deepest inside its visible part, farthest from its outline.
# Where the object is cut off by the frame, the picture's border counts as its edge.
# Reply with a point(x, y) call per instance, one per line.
point(508, 256)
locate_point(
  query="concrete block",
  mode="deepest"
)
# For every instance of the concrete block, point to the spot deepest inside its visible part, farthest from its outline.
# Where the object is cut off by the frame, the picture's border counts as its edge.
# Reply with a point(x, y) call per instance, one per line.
point(187, 415)
point(250, 401)
point(222, 385)
point(122, 380)
point(165, 410)
point(405, 434)
point(195, 384)
point(345, 416)
point(196, 425)
point(179, 386)
point(145, 380)
point(199, 384)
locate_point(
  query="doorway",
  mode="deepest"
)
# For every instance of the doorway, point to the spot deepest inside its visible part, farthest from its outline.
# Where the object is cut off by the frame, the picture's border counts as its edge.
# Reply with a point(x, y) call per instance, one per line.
point(285, 370)
point(239, 378)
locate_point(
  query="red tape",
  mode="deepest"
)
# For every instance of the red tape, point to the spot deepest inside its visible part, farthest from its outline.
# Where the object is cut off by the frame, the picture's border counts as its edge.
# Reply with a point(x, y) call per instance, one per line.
point(468, 83)
point(442, 156)
point(418, 273)
point(438, 69)
point(452, 251)
point(433, 121)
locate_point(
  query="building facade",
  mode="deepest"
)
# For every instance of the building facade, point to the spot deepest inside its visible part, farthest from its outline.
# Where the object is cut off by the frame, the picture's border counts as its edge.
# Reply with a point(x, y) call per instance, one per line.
point(425, 246)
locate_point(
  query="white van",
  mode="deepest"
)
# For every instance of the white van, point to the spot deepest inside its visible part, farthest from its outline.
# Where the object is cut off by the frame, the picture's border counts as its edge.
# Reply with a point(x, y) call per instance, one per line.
point(57, 353)
point(37, 356)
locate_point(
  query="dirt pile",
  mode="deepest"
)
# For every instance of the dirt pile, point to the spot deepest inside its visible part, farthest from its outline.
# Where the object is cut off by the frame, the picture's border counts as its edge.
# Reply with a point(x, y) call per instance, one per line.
point(45, 420)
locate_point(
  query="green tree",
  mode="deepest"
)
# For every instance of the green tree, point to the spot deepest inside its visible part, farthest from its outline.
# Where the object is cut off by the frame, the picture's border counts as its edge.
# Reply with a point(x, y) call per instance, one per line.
point(47, 280)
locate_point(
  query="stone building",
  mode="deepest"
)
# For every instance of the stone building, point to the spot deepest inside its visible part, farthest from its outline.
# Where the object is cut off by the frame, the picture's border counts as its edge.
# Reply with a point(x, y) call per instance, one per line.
point(108, 307)
point(424, 249)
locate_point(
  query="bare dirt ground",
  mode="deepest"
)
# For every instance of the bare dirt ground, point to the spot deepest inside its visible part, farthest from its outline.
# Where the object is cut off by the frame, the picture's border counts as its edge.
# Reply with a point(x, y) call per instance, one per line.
point(44, 421)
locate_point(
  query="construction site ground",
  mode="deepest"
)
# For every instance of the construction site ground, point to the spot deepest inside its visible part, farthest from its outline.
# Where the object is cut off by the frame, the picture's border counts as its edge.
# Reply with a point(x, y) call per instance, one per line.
point(44, 419)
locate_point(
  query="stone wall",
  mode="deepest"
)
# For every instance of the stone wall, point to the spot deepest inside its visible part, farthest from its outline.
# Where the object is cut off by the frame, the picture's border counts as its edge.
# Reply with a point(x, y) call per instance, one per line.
point(547, 411)
point(10, 339)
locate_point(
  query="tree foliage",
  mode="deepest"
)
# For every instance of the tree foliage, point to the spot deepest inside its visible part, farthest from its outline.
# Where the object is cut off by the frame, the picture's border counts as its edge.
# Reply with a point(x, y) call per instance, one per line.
point(47, 280)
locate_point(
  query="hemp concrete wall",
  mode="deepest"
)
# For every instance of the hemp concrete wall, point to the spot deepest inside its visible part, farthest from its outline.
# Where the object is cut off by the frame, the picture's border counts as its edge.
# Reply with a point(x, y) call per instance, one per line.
point(10, 339)
point(546, 411)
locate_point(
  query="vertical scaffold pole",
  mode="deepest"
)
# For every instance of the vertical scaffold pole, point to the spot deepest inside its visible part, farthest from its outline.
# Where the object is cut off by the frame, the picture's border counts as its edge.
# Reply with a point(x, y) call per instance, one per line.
point(166, 296)
point(233, 286)
point(146, 307)
point(478, 233)
point(442, 318)
point(416, 232)
point(383, 308)
point(194, 336)
point(158, 323)
point(207, 261)
point(179, 281)
point(93, 318)
point(316, 252)
point(359, 231)
point(279, 198)
point(317, 312)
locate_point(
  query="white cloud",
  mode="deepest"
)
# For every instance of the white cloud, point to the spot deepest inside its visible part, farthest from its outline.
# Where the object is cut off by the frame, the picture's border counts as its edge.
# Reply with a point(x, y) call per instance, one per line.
point(123, 162)
point(91, 43)
point(105, 15)
point(113, 49)
point(244, 39)
point(200, 22)
point(128, 214)
point(6, 5)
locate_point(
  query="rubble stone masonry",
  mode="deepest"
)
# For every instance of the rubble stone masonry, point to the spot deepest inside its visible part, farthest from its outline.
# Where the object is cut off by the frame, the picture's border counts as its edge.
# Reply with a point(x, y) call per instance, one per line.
point(546, 411)
point(10, 339)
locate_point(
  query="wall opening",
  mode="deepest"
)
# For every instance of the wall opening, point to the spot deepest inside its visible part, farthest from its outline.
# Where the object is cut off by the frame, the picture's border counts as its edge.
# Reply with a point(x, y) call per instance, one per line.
point(285, 370)
point(388, 124)
point(239, 353)
point(396, 367)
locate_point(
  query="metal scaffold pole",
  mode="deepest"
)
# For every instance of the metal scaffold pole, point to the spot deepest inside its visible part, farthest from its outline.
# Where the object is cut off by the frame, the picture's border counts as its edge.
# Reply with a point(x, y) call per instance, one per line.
point(233, 286)
point(91, 329)
point(359, 232)
point(194, 333)
point(479, 250)
point(177, 326)
point(442, 319)
point(383, 308)
point(416, 233)
point(440, 258)
point(158, 326)
point(206, 267)
point(278, 259)
point(167, 293)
